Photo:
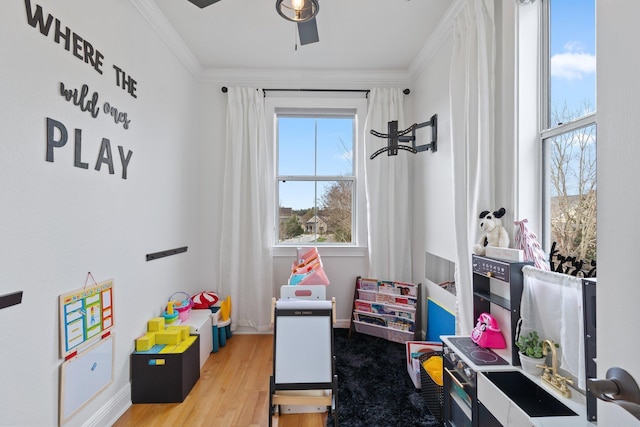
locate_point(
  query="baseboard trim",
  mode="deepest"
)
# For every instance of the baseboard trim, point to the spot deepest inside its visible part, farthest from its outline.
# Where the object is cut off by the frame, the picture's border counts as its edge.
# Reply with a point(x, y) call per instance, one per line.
point(111, 411)
point(342, 323)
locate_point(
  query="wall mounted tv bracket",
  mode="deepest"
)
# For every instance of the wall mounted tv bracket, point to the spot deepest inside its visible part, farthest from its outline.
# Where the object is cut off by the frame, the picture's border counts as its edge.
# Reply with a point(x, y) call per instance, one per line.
point(395, 137)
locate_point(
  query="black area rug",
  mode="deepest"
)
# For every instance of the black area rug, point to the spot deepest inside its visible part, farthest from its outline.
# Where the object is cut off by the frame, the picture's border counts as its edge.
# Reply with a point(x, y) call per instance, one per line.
point(374, 388)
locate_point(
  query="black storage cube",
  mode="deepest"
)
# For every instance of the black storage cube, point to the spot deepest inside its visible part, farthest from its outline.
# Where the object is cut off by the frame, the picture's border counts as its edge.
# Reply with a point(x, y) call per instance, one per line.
point(164, 377)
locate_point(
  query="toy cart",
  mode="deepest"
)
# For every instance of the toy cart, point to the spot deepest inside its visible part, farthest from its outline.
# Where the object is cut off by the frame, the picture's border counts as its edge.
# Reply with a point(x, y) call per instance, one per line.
point(303, 361)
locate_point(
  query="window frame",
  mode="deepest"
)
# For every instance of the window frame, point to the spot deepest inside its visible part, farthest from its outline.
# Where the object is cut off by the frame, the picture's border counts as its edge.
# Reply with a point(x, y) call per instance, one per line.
point(307, 104)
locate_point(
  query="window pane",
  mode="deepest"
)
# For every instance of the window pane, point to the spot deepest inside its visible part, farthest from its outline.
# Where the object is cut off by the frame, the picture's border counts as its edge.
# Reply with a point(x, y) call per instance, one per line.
point(296, 146)
point(327, 220)
point(573, 193)
point(572, 60)
point(312, 146)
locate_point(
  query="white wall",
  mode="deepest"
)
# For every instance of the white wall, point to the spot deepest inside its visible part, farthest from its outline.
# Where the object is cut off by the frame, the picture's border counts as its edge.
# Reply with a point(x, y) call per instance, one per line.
point(433, 173)
point(58, 221)
point(213, 107)
point(618, 293)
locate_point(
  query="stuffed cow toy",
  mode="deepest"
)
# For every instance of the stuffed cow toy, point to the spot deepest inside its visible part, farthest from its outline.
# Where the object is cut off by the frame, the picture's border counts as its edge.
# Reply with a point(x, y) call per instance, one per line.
point(493, 233)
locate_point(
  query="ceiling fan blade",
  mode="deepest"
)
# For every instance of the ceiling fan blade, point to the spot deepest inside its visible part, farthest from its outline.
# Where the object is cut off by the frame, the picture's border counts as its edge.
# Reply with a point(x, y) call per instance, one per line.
point(203, 3)
point(308, 31)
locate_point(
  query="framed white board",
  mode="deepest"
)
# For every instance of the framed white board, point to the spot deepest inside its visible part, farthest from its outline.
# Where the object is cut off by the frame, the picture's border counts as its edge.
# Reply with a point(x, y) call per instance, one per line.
point(303, 342)
point(303, 350)
point(84, 376)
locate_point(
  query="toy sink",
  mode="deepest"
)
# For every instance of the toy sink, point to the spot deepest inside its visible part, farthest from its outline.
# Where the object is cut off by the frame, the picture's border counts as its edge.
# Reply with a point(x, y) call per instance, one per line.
point(529, 396)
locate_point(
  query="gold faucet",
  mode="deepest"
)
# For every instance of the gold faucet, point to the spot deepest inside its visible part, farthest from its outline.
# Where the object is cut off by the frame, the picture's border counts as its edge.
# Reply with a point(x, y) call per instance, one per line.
point(548, 344)
point(556, 380)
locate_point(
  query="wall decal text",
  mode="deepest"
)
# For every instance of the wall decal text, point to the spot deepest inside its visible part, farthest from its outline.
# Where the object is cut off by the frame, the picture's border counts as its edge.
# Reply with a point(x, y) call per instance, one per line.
point(58, 136)
point(81, 99)
point(76, 45)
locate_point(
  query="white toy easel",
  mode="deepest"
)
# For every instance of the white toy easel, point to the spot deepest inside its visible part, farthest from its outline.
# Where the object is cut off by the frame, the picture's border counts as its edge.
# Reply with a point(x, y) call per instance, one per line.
point(303, 357)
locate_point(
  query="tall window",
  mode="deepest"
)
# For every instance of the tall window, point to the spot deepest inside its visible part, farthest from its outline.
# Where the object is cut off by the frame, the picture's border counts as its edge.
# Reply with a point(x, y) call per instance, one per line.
point(316, 176)
point(569, 132)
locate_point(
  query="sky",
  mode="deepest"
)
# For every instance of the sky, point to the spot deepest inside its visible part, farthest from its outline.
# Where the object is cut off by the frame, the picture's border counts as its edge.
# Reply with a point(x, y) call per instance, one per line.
point(298, 154)
point(573, 53)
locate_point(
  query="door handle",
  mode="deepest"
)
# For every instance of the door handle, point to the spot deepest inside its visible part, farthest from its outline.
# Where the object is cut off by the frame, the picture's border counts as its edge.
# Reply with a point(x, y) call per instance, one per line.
point(620, 388)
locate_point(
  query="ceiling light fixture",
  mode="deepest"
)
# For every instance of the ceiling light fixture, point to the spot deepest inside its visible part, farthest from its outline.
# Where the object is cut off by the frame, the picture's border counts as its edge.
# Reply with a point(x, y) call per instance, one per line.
point(297, 10)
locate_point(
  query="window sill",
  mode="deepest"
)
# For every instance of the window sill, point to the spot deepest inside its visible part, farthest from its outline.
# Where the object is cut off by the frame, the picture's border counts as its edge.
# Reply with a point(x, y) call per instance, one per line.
point(324, 250)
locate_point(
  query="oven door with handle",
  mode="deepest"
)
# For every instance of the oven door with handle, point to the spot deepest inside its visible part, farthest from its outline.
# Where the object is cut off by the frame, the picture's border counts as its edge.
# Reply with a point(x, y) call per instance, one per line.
point(459, 396)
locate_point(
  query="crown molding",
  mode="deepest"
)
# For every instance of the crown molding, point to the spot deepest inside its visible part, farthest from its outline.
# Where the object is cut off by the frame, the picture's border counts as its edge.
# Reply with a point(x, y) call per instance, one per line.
point(335, 79)
point(156, 19)
point(435, 41)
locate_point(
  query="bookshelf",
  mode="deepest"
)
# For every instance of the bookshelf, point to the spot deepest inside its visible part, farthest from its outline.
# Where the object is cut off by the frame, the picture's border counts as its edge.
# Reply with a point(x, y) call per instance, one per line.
point(386, 309)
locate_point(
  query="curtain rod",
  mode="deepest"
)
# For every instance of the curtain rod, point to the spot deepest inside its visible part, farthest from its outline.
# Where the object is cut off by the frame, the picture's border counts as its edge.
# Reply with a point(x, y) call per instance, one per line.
point(405, 91)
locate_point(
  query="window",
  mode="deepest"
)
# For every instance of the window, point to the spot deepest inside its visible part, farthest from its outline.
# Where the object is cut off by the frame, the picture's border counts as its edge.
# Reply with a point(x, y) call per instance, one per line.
point(569, 132)
point(316, 176)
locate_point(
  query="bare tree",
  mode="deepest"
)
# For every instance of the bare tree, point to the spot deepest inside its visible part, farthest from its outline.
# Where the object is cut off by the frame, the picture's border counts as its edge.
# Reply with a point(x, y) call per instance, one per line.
point(573, 186)
point(336, 202)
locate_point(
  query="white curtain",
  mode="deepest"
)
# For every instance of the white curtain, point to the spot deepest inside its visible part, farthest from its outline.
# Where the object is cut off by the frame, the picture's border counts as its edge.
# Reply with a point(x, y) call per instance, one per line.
point(246, 270)
point(471, 92)
point(388, 190)
point(552, 305)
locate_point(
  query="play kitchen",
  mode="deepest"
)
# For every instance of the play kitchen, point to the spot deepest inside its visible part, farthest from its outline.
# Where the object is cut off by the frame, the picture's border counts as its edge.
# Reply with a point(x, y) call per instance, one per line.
point(481, 389)
point(486, 387)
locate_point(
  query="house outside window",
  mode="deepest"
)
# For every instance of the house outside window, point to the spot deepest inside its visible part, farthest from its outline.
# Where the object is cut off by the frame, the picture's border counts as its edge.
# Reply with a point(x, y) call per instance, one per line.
point(569, 134)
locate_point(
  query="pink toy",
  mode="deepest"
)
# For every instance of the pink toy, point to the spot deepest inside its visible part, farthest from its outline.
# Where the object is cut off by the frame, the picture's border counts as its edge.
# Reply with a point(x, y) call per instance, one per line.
point(487, 332)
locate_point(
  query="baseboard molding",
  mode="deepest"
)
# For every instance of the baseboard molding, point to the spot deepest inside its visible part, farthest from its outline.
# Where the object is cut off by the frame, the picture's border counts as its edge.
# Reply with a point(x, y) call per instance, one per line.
point(342, 323)
point(111, 411)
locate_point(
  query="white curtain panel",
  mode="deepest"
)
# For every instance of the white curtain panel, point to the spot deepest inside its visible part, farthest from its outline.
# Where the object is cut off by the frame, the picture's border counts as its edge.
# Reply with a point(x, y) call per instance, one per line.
point(246, 270)
point(552, 305)
point(471, 92)
point(388, 189)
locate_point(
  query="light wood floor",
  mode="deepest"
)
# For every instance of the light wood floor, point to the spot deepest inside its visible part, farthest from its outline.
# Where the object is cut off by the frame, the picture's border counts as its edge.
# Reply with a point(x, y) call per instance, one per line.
point(233, 391)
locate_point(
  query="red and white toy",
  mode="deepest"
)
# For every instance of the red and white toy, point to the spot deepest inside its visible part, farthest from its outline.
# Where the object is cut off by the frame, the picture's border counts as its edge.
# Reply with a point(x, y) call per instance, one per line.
point(204, 300)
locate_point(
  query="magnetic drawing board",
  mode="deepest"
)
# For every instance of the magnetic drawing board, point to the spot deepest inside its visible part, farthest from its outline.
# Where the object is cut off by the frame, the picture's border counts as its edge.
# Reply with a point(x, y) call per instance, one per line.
point(303, 349)
point(86, 315)
point(84, 376)
point(303, 344)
